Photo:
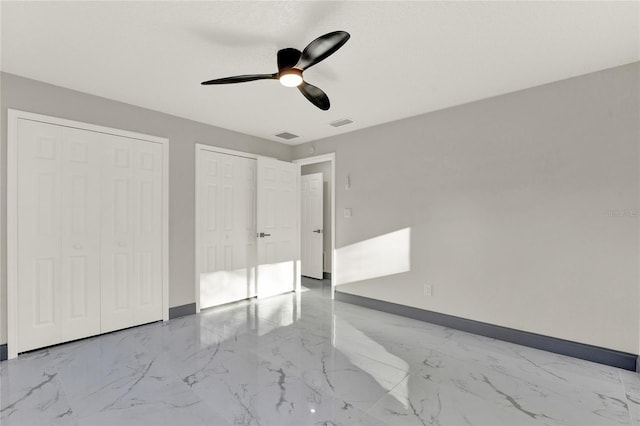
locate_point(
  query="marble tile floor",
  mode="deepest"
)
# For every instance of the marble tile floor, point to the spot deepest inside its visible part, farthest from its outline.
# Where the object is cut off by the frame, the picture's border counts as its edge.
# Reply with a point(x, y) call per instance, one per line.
point(302, 359)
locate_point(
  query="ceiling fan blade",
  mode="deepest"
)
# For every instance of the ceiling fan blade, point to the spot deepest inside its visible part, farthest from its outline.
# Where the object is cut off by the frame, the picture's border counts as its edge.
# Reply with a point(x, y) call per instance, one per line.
point(321, 48)
point(287, 58)
point(315, 95)
point(241, 79)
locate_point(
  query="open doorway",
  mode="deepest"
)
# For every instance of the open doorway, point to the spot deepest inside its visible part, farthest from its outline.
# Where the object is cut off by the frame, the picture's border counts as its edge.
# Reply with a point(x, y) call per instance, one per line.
point(310, 168)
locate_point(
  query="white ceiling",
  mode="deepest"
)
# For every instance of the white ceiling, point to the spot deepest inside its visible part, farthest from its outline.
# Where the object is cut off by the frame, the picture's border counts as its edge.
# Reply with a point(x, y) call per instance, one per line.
point(403, 58)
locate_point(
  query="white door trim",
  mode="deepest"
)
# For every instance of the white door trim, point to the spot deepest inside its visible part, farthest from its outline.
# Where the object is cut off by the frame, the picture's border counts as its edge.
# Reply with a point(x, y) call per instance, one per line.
point(331, 157)
point(205, 147)
point(12, 210)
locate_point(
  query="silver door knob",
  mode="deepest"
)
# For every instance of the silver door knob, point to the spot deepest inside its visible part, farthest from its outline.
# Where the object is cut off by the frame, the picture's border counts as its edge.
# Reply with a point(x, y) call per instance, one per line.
point(318, 231)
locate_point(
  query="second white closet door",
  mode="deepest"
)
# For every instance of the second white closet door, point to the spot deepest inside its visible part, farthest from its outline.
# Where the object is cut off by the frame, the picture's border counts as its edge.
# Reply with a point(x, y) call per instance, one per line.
point(226, 227)
point(131, 239)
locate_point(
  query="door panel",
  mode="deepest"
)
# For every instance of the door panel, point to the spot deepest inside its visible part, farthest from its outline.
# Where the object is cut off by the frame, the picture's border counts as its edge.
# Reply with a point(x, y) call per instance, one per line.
point(39, 159)
point(45, 292)
point(226, 228)
point(312, 226)
point(278, 250)
point(80, 236)
point(131, 240)
point(117, 251)
point(147, 235)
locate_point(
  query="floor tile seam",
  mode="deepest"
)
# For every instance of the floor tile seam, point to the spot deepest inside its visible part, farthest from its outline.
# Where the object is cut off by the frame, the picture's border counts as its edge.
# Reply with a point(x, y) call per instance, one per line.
point(384, 363)
point(626, 398)
point(547, 384)
point(172, 374)
point(628, 382)
point(337, 398)
point(296, 373)
point(353, 407)
point(212, 329)
point(438, 332)
point(389, 392)
point(126, 364)
point(220, 334)
point(361, 354)
point(63, 392)
point(208, 406)
point(519, 358)
point(229, 418)
point(531, 382)
point(176, 375)
point(496, 399)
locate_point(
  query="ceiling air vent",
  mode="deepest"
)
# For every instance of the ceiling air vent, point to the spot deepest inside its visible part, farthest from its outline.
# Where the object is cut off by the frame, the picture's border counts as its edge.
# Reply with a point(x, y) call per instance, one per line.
point(286, 135)
point(342, 122)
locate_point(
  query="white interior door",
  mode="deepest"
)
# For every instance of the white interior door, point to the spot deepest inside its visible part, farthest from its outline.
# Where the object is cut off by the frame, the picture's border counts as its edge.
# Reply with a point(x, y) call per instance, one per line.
point(278, 227)
point(58, 223)
point(226, 227)
point(131, 233)
point(311, 226)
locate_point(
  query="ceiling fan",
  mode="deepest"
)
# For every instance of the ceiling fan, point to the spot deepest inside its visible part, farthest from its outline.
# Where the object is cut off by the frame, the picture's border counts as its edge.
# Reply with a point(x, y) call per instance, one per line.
point(292, 63)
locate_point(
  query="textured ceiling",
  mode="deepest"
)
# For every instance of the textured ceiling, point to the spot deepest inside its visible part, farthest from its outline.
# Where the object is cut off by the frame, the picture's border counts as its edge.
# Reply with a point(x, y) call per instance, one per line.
point(403, 59)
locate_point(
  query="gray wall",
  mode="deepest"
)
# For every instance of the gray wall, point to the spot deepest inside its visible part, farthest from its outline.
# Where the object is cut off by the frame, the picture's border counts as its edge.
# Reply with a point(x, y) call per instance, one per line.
point(513, 202)
point(523, 208)
point(325, 169)
point(29, 95)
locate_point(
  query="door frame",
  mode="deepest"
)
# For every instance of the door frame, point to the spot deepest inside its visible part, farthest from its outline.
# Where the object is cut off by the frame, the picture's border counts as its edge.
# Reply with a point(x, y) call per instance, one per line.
point(331, 157)
point(13, 116)
point(200, 147)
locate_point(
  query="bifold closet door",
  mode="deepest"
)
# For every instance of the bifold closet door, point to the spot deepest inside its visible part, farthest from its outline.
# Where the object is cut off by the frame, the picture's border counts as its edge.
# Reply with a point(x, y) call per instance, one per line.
point(226, 227)
point(58, 232)
point(131, 233)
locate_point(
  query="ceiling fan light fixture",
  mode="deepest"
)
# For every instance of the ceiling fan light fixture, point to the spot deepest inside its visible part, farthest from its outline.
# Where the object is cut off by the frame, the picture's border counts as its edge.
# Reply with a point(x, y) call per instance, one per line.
point(291, 65)
point(291, 77)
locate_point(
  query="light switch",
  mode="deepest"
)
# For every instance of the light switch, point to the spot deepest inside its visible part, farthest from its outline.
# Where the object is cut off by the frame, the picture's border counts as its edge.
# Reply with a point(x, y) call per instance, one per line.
point(347, 213)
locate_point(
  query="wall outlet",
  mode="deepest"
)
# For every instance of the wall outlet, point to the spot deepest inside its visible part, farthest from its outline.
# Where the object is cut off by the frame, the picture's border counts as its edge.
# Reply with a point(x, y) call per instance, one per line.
point(428, 290)
point(348, 213)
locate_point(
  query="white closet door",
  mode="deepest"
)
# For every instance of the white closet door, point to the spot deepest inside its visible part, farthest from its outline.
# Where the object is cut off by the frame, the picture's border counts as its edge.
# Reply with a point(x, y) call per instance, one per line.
point(311, 228)
point(278, 227)
point(117, 272)
point(57, 223)
point(226, 227)
point(80, 237)
point(147, 233)
point(131, 290)
point(39, 212)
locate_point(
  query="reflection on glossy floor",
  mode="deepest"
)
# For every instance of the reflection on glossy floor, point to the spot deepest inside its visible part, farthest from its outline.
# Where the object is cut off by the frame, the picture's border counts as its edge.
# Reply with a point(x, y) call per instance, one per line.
point(305, 360)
